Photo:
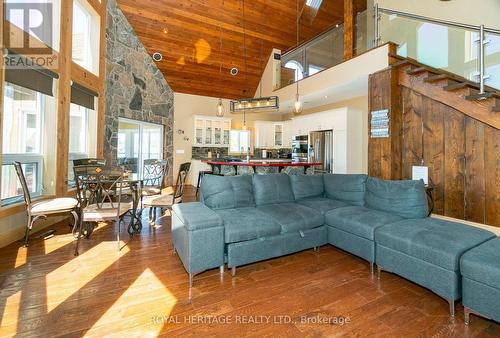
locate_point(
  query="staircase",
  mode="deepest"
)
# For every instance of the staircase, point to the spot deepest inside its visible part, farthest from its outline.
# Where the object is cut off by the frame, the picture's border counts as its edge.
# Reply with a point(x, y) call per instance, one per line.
point(450, 89)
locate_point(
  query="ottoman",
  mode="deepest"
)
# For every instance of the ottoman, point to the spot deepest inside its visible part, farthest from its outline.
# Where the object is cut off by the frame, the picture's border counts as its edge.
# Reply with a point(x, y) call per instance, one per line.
point(427, 251)
point(480, 269)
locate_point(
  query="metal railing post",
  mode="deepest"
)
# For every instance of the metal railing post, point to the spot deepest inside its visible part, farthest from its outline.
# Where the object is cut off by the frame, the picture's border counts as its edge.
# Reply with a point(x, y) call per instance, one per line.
point(376, 38)
point(482, 43)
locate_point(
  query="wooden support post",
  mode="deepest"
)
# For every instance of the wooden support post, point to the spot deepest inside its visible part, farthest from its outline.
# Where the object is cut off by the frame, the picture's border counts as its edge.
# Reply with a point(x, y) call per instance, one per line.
point(385, 154)
point(63, 98)
point(349, 29)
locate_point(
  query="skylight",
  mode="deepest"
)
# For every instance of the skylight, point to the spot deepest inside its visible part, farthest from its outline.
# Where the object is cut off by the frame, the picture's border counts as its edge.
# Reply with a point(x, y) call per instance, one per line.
point(316, 4)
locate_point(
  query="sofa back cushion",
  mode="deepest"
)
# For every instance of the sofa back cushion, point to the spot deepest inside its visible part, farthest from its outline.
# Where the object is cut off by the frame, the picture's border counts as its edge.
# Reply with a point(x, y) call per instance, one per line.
point(346, 188)
point(307, 186)
point(403, 198)
point(227, 192)
point(272, 189)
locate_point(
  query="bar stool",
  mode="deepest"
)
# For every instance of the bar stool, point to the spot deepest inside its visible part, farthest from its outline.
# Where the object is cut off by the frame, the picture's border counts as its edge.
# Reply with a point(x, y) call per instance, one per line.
point(200, 177)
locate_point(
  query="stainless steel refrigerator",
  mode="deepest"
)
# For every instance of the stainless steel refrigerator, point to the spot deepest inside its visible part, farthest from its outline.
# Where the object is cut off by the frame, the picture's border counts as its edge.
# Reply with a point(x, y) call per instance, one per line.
point(321, 150)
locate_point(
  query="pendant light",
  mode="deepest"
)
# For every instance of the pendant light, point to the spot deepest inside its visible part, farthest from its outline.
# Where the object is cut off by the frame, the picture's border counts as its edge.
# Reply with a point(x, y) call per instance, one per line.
point(297, 106)
point(220, 107)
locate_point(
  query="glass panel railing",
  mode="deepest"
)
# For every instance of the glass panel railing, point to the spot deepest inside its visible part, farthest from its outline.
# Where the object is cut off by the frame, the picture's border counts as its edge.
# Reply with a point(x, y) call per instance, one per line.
point(325, 51)
point(453, 49)
point(492, 60)
point(364, 32)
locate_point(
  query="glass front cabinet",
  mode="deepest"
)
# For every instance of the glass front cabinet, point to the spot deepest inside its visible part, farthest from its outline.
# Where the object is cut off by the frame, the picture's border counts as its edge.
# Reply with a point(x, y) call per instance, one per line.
point(211, 131)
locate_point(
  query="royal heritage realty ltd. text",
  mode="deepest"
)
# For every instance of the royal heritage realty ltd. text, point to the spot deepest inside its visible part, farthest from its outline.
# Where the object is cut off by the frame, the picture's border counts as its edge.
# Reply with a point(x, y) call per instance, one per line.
point(244, 319)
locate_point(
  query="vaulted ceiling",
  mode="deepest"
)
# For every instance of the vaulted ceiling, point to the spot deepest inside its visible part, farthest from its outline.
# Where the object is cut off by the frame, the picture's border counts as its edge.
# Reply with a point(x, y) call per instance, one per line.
point(187, 34)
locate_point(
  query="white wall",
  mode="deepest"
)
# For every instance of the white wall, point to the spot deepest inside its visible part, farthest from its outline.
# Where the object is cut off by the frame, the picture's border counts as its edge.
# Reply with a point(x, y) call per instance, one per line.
point(486, 12)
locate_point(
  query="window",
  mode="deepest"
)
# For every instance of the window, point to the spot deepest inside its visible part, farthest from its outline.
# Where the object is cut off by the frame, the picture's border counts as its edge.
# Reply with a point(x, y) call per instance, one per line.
point(292, 64)
point(239, 141)
point(82, 136)
point(23, 118)
point(138, 141)
point(85, 36)
point(314, 69)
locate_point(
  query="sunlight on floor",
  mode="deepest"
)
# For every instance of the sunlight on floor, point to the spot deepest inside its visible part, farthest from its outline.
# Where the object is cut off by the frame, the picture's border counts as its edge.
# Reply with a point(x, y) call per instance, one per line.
point(22, 254)
point(11, 317)
point(82, 270)
point(137, 308)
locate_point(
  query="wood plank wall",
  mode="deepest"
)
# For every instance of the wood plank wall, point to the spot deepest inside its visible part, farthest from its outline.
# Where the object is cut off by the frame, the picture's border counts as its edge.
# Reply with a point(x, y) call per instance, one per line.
point(463, 154)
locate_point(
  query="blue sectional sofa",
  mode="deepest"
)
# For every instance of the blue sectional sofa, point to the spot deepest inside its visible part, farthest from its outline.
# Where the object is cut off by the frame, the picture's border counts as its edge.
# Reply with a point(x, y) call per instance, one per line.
point(480, 269)
point(245, 219)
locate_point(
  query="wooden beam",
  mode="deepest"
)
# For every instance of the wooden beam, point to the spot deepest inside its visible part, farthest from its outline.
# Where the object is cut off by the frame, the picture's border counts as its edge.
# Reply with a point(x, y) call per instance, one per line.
point(96, 5)
point(84, 77)
point(349, 25)
point(63, 98)
point(101, 104)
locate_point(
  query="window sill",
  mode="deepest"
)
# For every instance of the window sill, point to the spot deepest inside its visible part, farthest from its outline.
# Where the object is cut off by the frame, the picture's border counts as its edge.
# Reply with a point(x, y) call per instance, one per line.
point(16, 208)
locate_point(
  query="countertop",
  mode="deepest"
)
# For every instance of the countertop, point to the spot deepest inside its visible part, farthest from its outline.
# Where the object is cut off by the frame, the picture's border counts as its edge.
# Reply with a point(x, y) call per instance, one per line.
point(264, 163)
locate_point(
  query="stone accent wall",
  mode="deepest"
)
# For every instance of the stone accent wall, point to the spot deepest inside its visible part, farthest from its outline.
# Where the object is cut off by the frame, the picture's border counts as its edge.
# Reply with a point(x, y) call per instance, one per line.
point(201, 153)
point(135, 87)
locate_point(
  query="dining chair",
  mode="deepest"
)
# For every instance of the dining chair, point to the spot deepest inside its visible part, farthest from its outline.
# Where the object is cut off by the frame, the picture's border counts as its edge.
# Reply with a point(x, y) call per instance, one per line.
point(154, 176)
point(89, 161)
point(42, 209)
point(99, 193)
point(169, 196)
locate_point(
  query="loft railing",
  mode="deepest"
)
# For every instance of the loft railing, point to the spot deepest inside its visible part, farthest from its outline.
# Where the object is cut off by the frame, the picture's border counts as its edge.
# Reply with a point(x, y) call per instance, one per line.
point(472, 52)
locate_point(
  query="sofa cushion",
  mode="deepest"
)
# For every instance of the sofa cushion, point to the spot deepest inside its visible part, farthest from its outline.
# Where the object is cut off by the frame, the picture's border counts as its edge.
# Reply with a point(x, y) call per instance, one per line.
point(227, 192)
point(359, 221)
point(482, 264)
point(322, 204)
point(432, 240)
point(293, 216)
point(244, 224)
point(272, 189)
point(345, 188)
point(306, 186)
point(403, 198)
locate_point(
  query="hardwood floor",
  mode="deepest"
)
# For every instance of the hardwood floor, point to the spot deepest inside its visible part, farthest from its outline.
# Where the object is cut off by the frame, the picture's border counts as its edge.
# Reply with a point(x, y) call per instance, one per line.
point(143, 292)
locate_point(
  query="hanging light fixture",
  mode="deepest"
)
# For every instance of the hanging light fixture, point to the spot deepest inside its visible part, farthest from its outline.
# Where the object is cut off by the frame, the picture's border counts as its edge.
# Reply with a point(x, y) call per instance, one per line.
point(256, 104)
point(297, 106)
point(220, 106)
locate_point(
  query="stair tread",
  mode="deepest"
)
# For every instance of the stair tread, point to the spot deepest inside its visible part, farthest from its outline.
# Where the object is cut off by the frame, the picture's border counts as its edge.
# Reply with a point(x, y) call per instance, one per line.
point(416, 70)
point(400, 63)
point(436, 78)
point(496, 109)
point(454, 86)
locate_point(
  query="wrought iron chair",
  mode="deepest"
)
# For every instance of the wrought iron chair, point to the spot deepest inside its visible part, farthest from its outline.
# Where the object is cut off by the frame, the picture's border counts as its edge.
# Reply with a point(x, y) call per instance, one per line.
point(42, 209)
point(89, 161)
point(154, 176)
point(99, 192)
point(169, 195)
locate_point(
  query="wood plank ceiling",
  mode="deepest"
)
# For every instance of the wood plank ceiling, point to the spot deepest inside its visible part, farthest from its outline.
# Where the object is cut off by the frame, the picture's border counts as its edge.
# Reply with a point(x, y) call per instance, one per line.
point(187, 34)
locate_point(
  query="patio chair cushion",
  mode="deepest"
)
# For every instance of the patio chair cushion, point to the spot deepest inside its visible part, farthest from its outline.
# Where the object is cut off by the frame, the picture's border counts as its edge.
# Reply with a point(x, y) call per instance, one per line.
point(107, 212)
point(54, 205)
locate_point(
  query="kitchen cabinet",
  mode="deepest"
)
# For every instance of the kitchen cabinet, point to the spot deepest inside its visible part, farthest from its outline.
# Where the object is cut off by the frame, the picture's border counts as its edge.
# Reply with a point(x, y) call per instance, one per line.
point(269, 134)
point(211, 131)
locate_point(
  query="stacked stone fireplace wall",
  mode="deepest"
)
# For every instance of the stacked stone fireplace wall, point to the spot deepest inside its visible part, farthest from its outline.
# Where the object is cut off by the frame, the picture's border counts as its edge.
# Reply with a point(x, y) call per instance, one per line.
point(135, 87)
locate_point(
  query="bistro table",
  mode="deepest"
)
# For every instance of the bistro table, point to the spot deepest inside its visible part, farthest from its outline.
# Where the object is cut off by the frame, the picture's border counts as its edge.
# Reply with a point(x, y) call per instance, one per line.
point(217, 164)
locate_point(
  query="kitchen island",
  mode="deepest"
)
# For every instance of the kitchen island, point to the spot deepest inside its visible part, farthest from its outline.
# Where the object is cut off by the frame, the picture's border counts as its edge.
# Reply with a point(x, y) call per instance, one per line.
point(260, 164)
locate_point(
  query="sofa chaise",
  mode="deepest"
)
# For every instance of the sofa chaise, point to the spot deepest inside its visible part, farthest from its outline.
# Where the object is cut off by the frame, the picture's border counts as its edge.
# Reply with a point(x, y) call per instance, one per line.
point(249, 218)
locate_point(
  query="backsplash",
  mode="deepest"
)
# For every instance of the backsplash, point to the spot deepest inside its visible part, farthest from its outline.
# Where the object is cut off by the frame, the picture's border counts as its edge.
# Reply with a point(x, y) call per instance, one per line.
point(200, 153)
point(272, 153)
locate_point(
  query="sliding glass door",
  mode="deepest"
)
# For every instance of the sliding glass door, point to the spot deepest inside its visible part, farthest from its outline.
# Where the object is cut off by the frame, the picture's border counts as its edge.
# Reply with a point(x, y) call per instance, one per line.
point(138, 141)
